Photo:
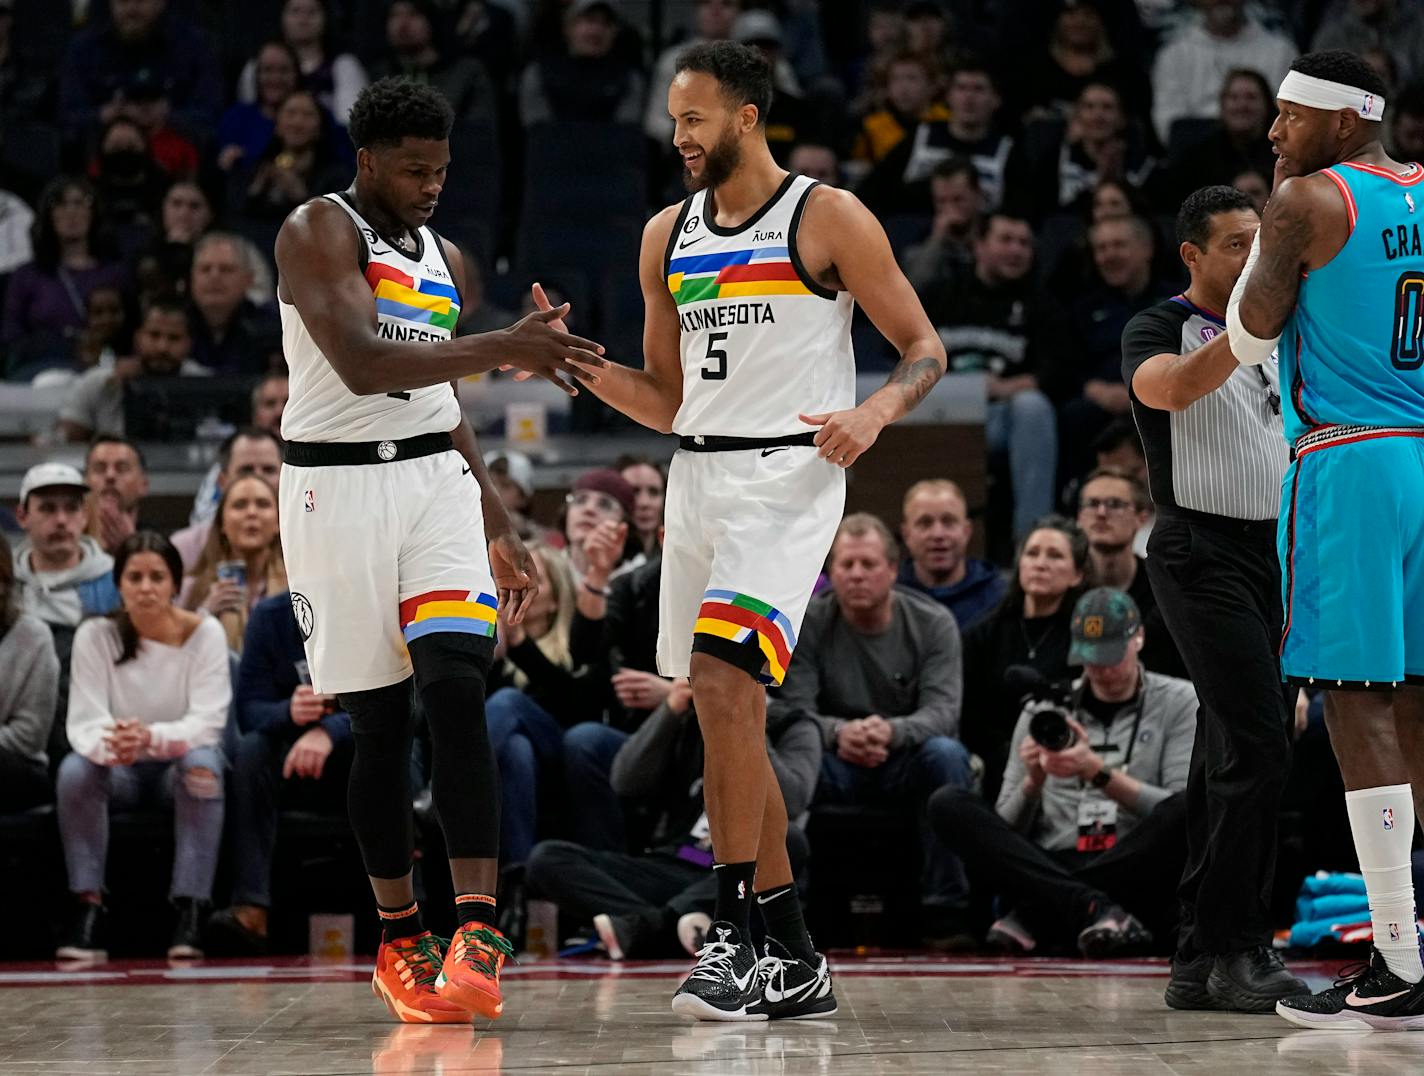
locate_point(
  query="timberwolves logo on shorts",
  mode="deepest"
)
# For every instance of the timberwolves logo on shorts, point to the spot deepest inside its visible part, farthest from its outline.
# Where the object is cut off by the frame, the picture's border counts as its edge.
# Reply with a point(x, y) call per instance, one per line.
point(303, 611)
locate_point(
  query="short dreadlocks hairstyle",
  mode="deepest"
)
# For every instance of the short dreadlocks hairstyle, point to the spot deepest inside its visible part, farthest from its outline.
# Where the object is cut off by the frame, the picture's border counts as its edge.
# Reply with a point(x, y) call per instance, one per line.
point(1339, 65)
point(394, 108)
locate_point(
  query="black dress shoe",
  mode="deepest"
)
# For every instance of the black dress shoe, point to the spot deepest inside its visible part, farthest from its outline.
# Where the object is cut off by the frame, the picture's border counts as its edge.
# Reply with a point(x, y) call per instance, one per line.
point(1252, 981)
point(1187, 987)
point(187, 941)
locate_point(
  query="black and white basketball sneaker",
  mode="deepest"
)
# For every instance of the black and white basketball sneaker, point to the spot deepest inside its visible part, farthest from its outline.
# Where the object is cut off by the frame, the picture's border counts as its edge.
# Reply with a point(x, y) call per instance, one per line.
point(791, 989)
point(724, 984)
point(1365, 996)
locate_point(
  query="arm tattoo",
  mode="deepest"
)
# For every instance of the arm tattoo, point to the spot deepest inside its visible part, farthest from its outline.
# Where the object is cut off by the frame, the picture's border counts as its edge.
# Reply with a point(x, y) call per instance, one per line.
point(1286, 232)
point(915, 378)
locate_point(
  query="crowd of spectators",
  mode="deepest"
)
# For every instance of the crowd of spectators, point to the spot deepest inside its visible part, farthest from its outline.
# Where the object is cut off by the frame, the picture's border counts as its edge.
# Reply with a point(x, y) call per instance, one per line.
point(1026, 159)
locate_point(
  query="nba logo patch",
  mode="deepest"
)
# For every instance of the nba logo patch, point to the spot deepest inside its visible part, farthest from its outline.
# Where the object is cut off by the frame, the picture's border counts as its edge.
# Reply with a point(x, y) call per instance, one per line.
point(1394, 932)
point(1388, 815)
point(1368, 108)
point(309, 500)
point(741, 890)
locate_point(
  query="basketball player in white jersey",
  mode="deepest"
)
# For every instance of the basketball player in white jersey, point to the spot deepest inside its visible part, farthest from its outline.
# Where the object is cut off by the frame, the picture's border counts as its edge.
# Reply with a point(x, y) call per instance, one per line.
point(749, 286)
point(386, 509)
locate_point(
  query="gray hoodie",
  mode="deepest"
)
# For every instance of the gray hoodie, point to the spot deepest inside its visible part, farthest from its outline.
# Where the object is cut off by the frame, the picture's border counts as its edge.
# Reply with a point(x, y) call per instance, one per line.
point(66, 597)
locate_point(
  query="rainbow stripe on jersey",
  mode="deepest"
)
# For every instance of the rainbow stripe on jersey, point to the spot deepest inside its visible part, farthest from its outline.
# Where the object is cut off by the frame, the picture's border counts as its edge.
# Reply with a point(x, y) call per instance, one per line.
point(447, 610)
point(400, 295)
point(732, 274)
point(738, 617)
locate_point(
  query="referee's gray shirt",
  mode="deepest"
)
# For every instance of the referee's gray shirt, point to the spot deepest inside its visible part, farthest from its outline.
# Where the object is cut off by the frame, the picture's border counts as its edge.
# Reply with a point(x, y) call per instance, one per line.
point(1226, 453)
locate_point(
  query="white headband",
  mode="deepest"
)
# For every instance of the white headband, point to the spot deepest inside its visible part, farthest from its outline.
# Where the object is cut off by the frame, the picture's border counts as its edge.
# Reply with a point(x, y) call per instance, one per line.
point(1322, 93)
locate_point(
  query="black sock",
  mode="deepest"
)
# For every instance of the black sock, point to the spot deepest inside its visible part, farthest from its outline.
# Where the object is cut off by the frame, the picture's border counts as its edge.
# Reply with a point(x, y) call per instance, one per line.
point(400, 922)
point(477, 908)
point(781, 912)
point(734, 895)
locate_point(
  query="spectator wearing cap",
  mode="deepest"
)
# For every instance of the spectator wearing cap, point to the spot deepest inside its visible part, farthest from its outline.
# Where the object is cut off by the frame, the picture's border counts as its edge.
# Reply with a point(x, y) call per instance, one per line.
point(936, 529)
point(95, 404)
point(415, 33)
point(597, 529)
point(789, 120)
point(996, 320)
point(29, 687)
point(141, 43)
point(586, 79)
point(1187, 76)
point(878, 669)
point(1089, 829)
point(63, 574)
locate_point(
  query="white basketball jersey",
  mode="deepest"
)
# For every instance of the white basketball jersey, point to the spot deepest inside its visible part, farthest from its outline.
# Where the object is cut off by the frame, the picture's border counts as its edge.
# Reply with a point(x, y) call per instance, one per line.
point(762, 342)
point(416, 300)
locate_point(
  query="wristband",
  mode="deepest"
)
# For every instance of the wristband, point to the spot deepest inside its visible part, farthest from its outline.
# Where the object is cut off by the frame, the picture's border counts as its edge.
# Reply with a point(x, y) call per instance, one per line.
point(1249, 350)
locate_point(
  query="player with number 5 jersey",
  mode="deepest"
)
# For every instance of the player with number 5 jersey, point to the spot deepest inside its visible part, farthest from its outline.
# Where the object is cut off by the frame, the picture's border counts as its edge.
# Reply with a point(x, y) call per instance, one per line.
point(749, 285)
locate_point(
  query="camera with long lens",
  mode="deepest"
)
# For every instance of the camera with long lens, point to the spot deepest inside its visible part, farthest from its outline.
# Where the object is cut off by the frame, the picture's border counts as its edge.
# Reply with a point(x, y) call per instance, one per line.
point(1049, 704)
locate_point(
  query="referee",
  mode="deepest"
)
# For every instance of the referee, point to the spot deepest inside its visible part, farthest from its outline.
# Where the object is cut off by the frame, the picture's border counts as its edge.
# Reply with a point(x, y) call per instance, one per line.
point(1216, 455)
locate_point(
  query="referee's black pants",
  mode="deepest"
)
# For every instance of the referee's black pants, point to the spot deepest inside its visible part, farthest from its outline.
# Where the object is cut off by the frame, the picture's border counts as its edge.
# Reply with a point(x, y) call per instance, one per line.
point(1217, 583)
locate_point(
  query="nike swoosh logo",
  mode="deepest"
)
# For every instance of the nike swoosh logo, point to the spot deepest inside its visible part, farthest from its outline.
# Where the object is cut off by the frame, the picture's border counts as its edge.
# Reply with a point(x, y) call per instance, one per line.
point(763, 900)
point(378, 250)
point(767, 452)
point(1356, 1002)
point(745, 979)
point(464, 470)
point(684, 246)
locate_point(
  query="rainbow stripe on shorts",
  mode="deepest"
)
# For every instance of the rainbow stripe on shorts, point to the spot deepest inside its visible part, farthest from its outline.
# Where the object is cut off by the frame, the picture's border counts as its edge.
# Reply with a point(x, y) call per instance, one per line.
point(740, 618)
point(447, 610)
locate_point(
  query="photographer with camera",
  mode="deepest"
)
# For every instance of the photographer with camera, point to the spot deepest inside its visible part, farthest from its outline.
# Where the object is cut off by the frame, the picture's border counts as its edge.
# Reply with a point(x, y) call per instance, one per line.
point(1089, 834)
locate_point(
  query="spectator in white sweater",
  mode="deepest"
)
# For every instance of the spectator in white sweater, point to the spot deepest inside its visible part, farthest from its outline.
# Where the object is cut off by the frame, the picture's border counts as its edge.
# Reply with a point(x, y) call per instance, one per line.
point(29, 682)
point(1187, 80)
point(150, 690)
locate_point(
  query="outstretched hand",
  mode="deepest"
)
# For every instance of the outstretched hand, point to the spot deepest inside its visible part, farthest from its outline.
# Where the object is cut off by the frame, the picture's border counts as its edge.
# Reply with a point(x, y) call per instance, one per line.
point(539, 346)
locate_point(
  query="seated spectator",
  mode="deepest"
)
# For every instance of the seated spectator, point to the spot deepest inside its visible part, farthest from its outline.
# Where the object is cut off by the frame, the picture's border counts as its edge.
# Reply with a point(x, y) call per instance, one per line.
point(252, 450)
point(231, 333)
point(1098, 143)
point(246, 127)
point(418, 52)
point(936, 529)
point(166, 264)
point(789, 120)
point(649, 491)
point(879, 670)
point(597, 535)
point(129, 182)
point(241, 562)
point(1122, 255)
point(269, 402)
point(513, 475)
point(537, 692)
point(1187, 76)
point(586, 79)
point(294, 753)
point(712, 21)
point(107, 333)
point(1406, 120)
point(300, 160)
point(646, 905)
point(956, 204)
point(117, 476)
point(996, 320)
point(1079, 52)
point(141, 42)
point(44, 300)
point(910, 97)
point(149, 697)
point(29, 687)
point(16, 222)
point(1112, 508)
point(816, 162)
point(1237, 144)
point(1030, 627)
point(95, 404)
point(1088, 839)
point(1394, 27)
point(64, 575)
point(335, 77)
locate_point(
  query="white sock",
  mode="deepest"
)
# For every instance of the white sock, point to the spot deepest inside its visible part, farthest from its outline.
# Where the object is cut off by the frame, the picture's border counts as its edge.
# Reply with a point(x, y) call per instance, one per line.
point(1382, 822)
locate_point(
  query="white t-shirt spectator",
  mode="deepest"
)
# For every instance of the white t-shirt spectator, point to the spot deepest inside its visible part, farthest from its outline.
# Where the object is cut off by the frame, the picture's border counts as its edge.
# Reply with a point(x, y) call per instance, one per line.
point(1190, 71)
point(182, 693)
point(15, 220)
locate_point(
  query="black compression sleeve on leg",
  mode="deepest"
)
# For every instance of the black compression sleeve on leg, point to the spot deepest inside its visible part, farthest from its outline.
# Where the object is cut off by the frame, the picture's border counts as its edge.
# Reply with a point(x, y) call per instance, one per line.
point(378, 792)
point(450, 668)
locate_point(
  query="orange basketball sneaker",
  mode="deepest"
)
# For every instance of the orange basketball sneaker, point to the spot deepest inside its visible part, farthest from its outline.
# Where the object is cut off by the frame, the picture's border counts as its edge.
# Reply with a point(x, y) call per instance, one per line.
point(470, 977)
point(406, 970)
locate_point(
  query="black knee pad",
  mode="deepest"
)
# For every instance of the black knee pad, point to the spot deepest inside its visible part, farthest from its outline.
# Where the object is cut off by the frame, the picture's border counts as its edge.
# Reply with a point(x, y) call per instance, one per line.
point(450, 655)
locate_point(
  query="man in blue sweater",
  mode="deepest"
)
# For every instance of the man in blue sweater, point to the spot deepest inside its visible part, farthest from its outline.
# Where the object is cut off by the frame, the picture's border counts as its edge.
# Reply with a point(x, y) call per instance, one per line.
point(936, 529)
point(295, 750)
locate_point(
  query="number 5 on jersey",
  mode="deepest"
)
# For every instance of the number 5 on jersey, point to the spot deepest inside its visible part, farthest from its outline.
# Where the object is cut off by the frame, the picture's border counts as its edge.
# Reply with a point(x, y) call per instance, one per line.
point(715, 355)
